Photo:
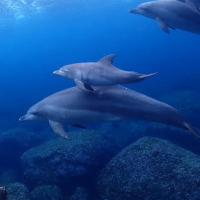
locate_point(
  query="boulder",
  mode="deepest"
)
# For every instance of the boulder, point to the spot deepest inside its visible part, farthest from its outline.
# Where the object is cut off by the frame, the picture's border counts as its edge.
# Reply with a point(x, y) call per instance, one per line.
point(46, 192)
point(68, 163)
point(151, 169)
point(17, 191)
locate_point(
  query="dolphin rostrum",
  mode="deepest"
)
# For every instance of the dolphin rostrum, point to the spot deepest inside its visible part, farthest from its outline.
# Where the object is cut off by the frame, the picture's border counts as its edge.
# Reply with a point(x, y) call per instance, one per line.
point(171, 14)
point(76, 107)
point(101, 73)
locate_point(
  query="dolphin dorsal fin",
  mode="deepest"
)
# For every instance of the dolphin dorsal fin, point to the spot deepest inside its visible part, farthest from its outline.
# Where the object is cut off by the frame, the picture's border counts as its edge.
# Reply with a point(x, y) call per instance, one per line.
point(107, 60)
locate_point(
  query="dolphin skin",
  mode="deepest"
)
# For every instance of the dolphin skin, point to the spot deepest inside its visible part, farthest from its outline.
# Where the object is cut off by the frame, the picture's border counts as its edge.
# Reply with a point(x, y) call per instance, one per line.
point(101, 73)
point(171, 14)
point(113, 103)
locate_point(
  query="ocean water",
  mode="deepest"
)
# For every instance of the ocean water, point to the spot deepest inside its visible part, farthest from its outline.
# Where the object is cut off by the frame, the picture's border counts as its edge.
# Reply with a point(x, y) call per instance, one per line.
point(40, 36)
point(37, 38)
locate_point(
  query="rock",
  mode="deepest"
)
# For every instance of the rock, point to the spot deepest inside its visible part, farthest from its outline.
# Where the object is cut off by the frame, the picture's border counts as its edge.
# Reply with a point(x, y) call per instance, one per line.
point(151, 169)
point(17, 191)
point(46, 192)
point(68, 163)
point(13, 143)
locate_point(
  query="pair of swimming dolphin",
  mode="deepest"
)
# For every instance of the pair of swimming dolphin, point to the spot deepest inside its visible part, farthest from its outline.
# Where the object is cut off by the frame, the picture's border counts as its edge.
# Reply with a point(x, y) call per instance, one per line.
point(174, 14)
point(76, 106)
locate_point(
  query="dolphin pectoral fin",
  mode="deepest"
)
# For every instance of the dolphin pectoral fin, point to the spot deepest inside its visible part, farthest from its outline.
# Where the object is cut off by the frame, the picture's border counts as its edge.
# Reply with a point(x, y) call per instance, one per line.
point(107, 60)
point(83, 86)
point(162, 25)
point(58, 129)
point(78, 126)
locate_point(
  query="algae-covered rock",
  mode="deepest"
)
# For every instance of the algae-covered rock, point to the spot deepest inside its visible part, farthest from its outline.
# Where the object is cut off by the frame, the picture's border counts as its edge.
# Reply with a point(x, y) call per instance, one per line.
point(13, 143)
point(17, 191)
point(151, 169)
point(46, 192)
point(66, 163)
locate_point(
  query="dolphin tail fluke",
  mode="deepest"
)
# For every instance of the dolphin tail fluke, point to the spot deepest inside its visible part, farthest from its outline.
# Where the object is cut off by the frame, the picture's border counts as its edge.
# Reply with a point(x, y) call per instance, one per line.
point(147, 75)
point(191, 129)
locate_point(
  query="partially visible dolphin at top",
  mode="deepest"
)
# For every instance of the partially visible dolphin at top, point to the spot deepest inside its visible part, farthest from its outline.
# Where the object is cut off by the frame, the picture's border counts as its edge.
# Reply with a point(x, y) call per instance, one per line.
point(171, 14)
point(101, 73)
point(115, 103)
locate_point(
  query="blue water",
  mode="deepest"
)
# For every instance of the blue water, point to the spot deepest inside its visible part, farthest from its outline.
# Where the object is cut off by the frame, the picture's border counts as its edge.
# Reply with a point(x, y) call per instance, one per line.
point(37, 38)
point(39, 43)
point(34, 46)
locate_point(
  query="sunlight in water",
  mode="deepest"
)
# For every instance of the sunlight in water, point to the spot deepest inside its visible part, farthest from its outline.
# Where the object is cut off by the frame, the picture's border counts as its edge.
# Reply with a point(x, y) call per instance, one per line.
point(19, 9)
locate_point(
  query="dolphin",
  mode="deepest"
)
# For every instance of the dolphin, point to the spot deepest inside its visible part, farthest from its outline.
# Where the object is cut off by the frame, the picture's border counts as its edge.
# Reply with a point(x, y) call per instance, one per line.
point(101, 73)
point(171, 14)
point(114, 103)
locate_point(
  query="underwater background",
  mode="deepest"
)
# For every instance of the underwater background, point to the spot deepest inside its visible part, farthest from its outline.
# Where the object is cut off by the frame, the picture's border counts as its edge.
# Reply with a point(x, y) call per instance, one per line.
point(40, 36)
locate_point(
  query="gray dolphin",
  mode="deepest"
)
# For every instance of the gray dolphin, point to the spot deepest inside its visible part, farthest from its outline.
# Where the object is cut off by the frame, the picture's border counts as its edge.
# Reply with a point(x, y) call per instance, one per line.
point(114, 103)
point(101, 73)
point(171, 14)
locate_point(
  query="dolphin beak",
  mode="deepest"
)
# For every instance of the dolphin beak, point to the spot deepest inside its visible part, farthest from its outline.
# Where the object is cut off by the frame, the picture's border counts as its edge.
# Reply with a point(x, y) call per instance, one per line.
point(26, 117)
point(59, 72)
point(135, 10)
